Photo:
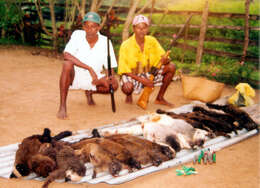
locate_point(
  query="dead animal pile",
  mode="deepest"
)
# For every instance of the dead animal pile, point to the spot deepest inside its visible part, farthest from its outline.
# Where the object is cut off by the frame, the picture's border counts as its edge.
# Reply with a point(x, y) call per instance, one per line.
point(46, 156)
point(28, 159)
point(177, 133)
point(121, 151)
point(68, 164)
point(217, 119)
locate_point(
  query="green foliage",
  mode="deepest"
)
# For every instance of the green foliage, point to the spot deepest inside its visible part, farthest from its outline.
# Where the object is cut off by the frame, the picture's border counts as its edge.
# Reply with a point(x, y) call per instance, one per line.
point(222, 69)
point(10, 17)
point(231, 72)
point(234, 6)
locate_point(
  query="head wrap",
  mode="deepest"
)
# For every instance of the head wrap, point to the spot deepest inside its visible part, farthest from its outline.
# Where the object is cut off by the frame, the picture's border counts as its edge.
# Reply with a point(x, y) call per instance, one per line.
point(140, 19)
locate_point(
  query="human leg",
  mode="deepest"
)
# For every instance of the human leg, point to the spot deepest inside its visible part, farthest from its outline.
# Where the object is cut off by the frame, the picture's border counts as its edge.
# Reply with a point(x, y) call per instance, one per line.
point(102, 88)
point(66, 79)
point(103, 85)
point(128, 88)
point(168, 73)
point(89, 96)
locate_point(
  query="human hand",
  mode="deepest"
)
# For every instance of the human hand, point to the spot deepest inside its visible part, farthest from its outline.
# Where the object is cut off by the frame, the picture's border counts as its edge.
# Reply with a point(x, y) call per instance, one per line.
point(165, 58)
point(147, 82)
point(94, 76)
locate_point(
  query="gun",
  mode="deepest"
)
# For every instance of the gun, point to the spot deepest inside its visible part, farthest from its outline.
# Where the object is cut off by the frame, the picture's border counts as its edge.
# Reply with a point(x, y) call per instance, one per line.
point(111, 90)
point(144, 98)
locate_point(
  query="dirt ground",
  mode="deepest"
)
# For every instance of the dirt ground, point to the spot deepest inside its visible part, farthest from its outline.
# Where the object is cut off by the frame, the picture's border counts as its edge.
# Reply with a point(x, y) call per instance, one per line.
point(29, 99)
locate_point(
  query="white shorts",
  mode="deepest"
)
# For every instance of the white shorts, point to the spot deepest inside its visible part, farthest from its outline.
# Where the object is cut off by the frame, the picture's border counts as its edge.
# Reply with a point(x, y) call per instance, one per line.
point(83, 80)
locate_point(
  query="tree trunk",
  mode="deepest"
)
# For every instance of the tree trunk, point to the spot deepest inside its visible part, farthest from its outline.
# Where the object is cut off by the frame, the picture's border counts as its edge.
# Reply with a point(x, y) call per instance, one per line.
point(53, 24)
point(203, 29)
point(2, 33)
point(38, 8)
point(83, 8)
point(129, 19)
point(95, 5)
point(246, 30)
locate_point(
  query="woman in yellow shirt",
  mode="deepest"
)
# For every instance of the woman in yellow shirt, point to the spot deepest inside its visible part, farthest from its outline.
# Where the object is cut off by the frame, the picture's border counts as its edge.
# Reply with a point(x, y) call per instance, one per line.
point(136, 57)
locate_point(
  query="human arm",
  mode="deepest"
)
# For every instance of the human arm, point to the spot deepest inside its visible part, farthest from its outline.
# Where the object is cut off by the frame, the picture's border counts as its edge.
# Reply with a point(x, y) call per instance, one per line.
point(128, 60)
point(107, 80)
point(145, 81)
point(157, 54)
point(77, 62)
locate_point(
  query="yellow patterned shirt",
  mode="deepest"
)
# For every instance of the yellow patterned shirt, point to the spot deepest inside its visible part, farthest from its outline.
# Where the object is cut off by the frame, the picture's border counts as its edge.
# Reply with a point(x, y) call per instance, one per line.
point(133, 60)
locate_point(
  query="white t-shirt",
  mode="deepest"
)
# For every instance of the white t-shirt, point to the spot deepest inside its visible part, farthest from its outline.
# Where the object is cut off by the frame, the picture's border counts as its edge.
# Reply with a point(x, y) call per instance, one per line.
point(95, 57)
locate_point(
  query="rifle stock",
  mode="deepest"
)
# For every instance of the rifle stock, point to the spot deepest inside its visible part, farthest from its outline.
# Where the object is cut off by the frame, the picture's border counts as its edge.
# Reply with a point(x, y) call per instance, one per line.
point(144, 98)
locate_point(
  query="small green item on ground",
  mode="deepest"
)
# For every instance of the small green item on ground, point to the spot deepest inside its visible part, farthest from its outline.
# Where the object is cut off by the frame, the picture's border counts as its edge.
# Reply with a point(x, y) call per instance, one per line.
point(186, 171)
point(214, 157)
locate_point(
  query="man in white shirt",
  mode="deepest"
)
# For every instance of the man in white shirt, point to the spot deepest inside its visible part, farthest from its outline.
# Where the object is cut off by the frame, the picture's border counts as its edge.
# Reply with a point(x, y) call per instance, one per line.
point(85, 57)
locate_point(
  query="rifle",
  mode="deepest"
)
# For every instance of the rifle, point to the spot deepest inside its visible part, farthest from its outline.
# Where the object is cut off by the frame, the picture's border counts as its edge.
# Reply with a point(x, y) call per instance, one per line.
point(144, 98)
point(111, 90)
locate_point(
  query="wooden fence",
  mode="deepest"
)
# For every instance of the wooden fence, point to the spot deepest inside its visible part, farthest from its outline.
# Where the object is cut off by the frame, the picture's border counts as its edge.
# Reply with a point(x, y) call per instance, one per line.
point(201, 38)
point(185, 36)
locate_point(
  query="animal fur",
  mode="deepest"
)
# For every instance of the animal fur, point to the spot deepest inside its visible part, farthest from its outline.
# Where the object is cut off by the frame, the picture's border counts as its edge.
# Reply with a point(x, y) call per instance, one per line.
point(116, 150)
point(225, 119)
point(26, 159)
point(218, 119)
point(201, 120)
point(102, 160)
point(240, 115)
point(144, 153)
point(175, 132)
point(69, 165)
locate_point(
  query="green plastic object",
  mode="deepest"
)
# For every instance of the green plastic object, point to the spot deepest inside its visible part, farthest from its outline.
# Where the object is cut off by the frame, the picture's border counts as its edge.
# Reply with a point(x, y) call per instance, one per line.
point(214, 157)
point(186, 171)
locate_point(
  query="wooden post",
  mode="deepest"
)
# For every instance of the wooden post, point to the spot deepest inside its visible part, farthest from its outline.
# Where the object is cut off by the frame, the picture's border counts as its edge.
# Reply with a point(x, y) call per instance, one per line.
point(203, 29)
point(184, 42)
point(246, 30)
point(151, 11)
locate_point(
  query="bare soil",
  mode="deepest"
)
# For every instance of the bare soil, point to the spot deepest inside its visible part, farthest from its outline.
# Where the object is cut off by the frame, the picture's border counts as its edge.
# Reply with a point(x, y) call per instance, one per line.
point(29, 100)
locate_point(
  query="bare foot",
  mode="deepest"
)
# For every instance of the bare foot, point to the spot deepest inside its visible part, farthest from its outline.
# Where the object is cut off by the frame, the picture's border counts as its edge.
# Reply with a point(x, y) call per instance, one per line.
point(129, 99)
point(163, 102)
point(62, 114)
point(90, 98)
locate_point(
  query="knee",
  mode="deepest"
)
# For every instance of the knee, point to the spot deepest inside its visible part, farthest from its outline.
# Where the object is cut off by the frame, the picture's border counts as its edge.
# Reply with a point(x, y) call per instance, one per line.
point(67, 66)
point(115, 85)
point(127, 88)
point(171, 67)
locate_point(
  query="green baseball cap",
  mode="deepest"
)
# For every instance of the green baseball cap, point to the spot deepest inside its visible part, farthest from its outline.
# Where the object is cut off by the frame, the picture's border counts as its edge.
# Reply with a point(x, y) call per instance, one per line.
point(93, 17)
